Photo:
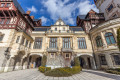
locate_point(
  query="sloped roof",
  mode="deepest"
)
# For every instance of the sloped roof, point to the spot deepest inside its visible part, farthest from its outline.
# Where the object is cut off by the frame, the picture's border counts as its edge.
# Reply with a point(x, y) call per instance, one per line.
point(17, 5)
point(45, 28)
point(76, 28)
point(42, 28)
point(82, 16)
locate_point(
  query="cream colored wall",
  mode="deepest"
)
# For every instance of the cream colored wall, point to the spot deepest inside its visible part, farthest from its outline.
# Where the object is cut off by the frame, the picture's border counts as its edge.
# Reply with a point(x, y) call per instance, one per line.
point(74, 41)
point(7, 39)
point(102, 5)
point(109, 26)
point(100, 30)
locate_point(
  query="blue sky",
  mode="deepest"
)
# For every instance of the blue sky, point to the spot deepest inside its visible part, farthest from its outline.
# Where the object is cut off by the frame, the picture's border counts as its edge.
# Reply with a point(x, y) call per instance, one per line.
point(50, 10)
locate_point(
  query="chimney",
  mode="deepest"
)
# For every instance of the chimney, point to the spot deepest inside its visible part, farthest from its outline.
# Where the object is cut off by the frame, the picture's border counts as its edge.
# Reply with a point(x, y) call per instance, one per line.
point(28, 12)
point(32, 17)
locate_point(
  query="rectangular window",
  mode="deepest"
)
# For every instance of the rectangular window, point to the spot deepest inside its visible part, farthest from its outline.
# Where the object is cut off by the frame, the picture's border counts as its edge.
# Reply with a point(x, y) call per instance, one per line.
point(26, 43)
point(2, 21)
point(22, 42)
point(53, 43)
point(38, 43)
point(18, 38)
point(66, 43)
point(114, 16)
point(55, 29)
point(82, 43)
point(110, 8)
point(2, 4)
point(52, 55)
point(116, 59)
point(67, 55)
point(30, 45)
point(102, 60)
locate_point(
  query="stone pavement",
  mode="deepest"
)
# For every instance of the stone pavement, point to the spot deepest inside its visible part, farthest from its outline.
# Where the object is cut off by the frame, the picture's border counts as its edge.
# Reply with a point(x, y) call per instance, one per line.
point(34, 74)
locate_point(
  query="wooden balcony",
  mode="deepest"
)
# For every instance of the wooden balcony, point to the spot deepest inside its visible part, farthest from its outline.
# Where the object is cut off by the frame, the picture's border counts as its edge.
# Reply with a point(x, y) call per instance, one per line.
point(7, 26)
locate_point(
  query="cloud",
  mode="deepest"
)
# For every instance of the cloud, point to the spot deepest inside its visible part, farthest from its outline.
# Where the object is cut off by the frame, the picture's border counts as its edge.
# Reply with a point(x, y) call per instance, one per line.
point(85, 6)
point(67, 10)
point(44, 20)
point(32, 9)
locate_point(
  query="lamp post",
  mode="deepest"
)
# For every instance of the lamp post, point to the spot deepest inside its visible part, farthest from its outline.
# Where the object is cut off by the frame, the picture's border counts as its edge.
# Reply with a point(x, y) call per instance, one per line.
point(7, 51)
point(7, 56)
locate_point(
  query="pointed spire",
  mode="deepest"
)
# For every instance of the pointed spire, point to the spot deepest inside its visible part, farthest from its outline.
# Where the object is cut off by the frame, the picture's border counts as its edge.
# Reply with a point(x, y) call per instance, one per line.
point(59, 18)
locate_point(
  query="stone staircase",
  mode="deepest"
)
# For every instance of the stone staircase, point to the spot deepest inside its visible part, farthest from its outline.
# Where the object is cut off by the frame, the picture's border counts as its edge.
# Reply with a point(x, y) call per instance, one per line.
point(56, 62)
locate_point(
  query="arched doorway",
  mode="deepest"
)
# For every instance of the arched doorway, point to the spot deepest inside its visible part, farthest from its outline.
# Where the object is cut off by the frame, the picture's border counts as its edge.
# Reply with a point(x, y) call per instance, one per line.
point(34, 61)
point(86, 61)
point(82, 61)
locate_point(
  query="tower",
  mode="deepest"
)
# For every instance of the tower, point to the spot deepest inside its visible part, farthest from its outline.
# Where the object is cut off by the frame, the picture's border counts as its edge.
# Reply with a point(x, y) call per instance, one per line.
point(110, 8)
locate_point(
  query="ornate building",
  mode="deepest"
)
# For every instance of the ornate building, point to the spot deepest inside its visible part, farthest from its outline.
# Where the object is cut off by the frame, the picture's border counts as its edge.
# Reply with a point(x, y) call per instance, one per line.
point(24, 41)
point(16, 28)
point(110, 8)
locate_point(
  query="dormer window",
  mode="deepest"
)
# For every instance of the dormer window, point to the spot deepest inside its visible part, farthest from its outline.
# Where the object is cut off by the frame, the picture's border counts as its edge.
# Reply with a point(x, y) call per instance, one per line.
point(63, 29)
point(55, 29)
point(110, 8)
point(59, 23)
point(2, 4)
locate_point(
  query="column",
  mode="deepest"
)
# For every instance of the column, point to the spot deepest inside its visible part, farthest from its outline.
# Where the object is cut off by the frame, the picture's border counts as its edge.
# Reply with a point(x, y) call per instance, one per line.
point(109, 60)
point(104, 40)
point(114, 33)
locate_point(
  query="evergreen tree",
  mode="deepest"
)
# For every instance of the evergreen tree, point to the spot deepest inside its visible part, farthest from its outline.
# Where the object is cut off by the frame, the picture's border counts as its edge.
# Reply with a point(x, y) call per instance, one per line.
point(44, 60)
point(118, 38)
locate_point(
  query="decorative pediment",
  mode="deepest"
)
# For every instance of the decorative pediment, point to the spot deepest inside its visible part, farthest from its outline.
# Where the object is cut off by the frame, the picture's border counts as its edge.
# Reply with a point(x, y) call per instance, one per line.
point(60, 22)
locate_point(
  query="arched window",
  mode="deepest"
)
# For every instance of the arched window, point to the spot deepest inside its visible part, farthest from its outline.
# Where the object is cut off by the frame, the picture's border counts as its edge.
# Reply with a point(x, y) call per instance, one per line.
point(110, 38)
point(99, 41)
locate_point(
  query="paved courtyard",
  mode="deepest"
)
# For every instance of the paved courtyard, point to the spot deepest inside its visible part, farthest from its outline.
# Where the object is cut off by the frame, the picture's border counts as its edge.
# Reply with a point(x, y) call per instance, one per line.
point(34, 74)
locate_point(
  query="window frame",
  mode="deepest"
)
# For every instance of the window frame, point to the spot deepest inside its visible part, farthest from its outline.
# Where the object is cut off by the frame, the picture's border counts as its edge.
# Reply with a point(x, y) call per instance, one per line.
point(103, 61)
point(18, 38)
point(26, 44)
point(52, 56)
point(66, 43)
point(82, 43)
point(23, 40)
point(38, 43)
point(67, 57)
point(109, 35)
point(114, 60)
point(53, 42)
point(99, 41)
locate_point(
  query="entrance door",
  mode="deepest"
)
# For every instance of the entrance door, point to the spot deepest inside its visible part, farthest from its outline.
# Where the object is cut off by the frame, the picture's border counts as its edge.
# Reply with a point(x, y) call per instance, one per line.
point(89, 63)
point(81, 62)
point(38, 62)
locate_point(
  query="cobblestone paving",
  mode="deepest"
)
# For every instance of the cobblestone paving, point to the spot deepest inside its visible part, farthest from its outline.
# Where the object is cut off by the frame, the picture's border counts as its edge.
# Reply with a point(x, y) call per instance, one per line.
point(34, 74)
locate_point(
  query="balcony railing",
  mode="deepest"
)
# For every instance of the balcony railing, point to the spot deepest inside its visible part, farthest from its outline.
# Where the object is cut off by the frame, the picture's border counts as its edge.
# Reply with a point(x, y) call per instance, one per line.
point(67, 50)
point(52, 49)
point(7, 26)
